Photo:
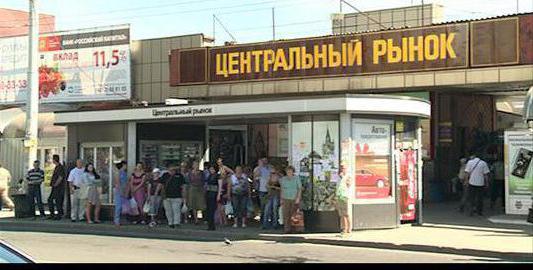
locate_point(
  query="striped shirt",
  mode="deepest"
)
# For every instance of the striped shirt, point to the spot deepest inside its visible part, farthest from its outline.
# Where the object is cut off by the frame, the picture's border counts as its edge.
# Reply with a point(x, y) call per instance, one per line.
point(35, 176)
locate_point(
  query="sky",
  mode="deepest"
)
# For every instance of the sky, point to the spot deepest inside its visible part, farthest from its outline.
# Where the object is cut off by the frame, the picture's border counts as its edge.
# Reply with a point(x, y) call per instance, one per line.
point(246, 20)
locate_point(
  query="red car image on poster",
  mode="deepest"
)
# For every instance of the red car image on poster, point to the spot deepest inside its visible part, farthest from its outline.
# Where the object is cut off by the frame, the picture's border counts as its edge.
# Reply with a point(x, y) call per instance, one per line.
point(370, 185)
point(408, 185)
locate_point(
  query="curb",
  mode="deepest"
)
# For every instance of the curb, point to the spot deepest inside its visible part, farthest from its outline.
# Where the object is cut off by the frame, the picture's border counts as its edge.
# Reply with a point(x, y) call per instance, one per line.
point(218, 236)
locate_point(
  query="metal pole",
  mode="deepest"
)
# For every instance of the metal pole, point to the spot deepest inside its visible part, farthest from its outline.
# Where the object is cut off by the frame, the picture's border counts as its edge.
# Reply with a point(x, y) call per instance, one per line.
point(422, 14)
point(214, 23)
point(517, 6)
point(32, 103)
point(273, 25)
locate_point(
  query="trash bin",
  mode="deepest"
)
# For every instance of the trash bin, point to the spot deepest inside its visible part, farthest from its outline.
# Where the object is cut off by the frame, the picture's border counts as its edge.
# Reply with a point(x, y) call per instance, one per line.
point(23, 206)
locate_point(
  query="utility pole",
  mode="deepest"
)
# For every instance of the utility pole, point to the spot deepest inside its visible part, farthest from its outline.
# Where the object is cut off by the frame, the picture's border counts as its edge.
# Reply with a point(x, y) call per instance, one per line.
point(32, 102)
point(273, 25)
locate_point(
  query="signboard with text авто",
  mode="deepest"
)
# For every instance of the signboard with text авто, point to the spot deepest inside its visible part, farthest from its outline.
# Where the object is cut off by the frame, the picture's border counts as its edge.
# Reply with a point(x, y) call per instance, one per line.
point(74, 66)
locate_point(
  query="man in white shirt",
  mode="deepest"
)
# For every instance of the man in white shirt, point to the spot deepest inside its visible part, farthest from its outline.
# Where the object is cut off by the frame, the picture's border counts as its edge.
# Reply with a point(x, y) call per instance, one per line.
point(261, 176)
point(477, 173)
point(75, 179)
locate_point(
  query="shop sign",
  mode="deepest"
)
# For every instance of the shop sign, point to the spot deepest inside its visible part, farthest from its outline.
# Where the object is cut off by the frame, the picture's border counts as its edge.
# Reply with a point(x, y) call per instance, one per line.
point(181, 112)
point(518, 172)
point(74, 66)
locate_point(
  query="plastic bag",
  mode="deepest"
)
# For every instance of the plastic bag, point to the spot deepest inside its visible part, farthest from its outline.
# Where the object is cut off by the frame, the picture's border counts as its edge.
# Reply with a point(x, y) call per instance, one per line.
point(184, 209)
point(134, 210)
point(280, 215)
point(125, 206)
point(228, 208)
point(147, 206)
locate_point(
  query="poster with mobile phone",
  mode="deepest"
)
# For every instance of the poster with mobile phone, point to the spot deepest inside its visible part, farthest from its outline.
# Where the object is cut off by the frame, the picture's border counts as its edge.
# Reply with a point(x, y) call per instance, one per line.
point(518, 171)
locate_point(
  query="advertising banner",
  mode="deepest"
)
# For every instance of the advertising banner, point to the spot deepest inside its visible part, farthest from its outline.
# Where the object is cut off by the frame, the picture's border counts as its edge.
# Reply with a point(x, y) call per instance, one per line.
point(372, 160)
point(408, 183)
point(518, 172)
point(74, 66)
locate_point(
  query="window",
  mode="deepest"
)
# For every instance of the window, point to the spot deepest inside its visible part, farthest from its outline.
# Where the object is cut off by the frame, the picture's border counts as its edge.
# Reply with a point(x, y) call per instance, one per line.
point(315, 155)
point(103, 156)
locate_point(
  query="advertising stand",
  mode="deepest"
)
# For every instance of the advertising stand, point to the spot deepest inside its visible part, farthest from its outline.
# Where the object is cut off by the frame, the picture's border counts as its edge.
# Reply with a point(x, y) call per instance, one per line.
point(518, 151)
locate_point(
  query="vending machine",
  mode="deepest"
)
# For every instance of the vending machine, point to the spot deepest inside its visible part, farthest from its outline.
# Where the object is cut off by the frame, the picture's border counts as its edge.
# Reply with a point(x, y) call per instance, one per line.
point(407, 183)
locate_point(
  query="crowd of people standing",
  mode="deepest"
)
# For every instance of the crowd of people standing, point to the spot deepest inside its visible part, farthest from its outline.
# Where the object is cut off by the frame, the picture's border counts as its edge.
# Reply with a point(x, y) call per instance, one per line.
point(217, 195)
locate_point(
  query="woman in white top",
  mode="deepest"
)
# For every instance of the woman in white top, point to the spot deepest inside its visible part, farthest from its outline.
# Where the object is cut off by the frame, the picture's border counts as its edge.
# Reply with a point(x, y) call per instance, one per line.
point(92, 189)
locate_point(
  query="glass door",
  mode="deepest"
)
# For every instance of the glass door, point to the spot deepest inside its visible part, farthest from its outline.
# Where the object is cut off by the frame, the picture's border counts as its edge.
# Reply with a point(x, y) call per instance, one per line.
point(103, 156)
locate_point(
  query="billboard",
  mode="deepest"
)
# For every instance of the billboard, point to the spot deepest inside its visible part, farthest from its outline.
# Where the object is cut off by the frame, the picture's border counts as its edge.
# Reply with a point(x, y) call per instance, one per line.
point(518, 153)
point(74, 66)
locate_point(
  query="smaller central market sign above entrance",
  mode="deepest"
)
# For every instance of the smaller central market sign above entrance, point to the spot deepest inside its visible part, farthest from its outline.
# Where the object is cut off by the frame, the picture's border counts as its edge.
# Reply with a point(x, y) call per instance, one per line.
point(428, 48)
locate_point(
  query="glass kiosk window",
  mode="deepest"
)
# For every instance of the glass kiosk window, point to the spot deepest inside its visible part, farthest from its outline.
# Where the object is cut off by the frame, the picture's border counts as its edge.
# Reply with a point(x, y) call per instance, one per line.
point(373, 159)
point(315, 155)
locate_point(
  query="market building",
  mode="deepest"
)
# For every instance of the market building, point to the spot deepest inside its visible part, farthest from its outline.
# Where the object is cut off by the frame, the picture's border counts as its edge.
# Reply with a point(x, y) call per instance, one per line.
point(306, 102)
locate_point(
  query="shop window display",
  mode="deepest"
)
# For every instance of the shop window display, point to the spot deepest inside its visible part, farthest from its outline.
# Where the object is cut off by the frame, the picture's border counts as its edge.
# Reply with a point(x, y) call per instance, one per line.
point(315, 155)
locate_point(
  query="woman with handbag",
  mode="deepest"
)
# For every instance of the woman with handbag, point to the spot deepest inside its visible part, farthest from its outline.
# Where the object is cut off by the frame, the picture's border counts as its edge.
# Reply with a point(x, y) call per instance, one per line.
point(291, 194)
point(224, 193)
point(138, 192)
point(196, 191)
point(92, 185)
point(240, 195)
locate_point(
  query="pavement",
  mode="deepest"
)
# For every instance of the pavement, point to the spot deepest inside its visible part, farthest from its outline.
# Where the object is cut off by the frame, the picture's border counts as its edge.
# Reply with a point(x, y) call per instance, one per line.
point(444, 231)
point(51, 247)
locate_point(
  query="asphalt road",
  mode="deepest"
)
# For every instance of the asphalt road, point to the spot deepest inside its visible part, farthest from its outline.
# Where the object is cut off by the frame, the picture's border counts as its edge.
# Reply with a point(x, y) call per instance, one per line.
point(51, 247)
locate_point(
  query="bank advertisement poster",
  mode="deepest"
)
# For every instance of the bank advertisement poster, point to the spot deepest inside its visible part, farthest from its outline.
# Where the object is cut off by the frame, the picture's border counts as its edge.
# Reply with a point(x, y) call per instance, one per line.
point(372, 160)
point(518, 172)
point(74, 66)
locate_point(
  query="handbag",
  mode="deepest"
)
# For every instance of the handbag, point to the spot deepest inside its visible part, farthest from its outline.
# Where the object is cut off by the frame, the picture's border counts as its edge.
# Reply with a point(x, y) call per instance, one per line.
point(134, 210)
point(297, 221)
point(228, 208)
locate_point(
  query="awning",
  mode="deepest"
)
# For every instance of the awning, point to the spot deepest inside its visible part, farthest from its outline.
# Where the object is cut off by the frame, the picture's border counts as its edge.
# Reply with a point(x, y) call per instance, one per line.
point(358, 104)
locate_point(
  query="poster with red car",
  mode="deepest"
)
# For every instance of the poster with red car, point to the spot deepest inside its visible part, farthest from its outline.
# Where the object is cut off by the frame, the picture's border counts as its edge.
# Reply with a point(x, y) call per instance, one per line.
point(407, 182)
point(74, 66)
point(372, 160)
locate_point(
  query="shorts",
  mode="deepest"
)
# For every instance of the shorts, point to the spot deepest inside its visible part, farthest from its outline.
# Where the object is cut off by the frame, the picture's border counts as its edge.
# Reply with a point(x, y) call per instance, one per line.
point(342, 208)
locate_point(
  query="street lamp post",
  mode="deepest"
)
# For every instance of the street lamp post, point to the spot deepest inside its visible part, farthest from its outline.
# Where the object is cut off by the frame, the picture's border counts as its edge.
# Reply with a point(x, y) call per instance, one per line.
point(32, 102)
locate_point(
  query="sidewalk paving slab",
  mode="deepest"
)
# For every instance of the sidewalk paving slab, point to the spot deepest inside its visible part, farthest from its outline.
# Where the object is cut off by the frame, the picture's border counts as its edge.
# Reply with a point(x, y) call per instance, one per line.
point(509, 244)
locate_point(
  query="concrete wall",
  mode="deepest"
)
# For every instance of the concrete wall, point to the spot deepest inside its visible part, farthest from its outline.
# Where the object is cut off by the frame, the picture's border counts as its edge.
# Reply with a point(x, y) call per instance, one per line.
point(150, 65)
point(85, 133)
point(411, 16)
point(496, 77)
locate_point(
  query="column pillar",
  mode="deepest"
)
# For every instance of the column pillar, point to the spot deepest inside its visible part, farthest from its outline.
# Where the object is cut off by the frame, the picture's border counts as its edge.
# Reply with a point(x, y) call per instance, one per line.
point(131, 144)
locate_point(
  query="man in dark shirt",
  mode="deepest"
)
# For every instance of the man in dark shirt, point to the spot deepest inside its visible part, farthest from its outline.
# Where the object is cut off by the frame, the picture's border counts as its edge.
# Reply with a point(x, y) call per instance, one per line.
point(35, 177)
point(174, 195)
point(58, 190)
